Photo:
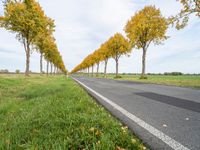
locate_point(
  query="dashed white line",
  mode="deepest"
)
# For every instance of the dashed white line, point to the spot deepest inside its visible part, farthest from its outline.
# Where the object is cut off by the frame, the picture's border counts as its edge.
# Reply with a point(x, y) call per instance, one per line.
point(159, 134)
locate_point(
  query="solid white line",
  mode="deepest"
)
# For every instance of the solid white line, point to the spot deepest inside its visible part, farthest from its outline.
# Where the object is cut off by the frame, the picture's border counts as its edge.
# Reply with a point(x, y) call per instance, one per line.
point(159, 134)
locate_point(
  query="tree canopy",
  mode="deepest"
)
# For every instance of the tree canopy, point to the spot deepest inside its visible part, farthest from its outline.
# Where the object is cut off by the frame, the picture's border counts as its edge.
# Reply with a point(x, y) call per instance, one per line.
point(115, 47)
point(188, 7)
point(145, 27)
point(33, 28)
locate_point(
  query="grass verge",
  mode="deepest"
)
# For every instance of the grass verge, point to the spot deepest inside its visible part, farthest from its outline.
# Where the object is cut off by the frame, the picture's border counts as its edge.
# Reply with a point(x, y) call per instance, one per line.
point(181, 80)
point(55, 113)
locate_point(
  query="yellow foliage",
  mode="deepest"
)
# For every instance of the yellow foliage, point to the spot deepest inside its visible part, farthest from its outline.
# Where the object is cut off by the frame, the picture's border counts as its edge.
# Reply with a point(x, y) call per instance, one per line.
point(146, 26)
point(118, 46)
point(189, 7)
point(28, 20)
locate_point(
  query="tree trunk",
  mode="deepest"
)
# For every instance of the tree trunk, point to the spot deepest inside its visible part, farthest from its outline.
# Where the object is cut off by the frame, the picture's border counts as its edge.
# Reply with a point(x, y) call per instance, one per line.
point(51, 68)
point(92, 70)
point(97, 70)
point(105, 68)
point(41, 56)
point(54, 70)
point(47, 67)
point(117, 65)
point(27, 59)
point(88, 71)
point(143, 63)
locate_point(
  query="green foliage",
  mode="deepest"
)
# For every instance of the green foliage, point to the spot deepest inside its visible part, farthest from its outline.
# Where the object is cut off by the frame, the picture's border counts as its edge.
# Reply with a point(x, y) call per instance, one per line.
point(4, 71)
point(118, 77)
point(143, 77)
point(17, 71)
point(173, 73)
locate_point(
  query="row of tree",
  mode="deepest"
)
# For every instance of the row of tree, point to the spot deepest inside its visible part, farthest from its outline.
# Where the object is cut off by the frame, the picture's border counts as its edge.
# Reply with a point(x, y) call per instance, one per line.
point(145, 27)
point(114, 48)
point(34, 30)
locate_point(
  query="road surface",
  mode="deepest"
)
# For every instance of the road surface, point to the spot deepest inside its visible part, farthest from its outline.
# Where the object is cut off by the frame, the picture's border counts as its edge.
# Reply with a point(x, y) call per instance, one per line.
point(164, 117)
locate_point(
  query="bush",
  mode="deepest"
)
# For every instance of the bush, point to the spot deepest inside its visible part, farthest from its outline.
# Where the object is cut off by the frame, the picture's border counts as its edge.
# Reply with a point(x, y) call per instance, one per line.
point(173, 73)
point(143, 77)
point(17, 71)
point(4, 71)
point(118, 77)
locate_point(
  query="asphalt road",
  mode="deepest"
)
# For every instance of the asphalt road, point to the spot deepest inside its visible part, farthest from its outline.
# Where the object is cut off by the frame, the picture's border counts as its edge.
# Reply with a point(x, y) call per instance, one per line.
point(172, 111)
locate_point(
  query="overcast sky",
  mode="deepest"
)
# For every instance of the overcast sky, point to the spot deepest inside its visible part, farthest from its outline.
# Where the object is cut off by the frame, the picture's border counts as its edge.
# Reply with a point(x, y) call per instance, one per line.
point(83, 25)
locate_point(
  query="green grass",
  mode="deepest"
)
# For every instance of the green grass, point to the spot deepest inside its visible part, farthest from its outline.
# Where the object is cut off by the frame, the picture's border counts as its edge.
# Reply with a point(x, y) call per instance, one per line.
point(41, 113)
point(182, 80)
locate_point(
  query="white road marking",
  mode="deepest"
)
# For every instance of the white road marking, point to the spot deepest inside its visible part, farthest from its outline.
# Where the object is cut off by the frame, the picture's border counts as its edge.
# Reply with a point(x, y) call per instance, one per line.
point(164, 125)
point(187, 119)
point(159, 134)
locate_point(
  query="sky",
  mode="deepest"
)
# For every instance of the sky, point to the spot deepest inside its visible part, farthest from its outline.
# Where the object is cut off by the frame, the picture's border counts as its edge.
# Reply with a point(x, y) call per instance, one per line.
point(83, 25)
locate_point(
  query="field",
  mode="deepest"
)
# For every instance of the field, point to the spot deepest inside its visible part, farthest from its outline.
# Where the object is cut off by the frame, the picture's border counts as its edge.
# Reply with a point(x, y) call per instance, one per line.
point(181, 80)
point(55, 113)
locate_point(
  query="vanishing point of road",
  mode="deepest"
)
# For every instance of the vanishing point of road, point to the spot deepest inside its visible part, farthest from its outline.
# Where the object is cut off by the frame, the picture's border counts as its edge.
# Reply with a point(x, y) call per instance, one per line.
point(164, 117)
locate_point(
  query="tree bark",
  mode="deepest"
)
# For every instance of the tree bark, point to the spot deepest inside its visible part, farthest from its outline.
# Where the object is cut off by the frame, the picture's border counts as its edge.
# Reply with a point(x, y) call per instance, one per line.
point(105, 68)
point(88, 71)
point(54, 70)
point(117, 65)
point(97, 70)
point(92, 70)
point(47, 67)
point(27, 59)
point(51, 68)
point(41, 67)
point(143, 62)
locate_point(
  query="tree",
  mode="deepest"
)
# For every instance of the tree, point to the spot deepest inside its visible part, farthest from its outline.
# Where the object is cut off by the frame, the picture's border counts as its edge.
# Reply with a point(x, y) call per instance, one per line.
point(106, 54)
point(17, 71)
point(189, 7)
point(145, 27)
point(42, 39)
point(115, 47)
point(52, 55)
point(89, 62)
point(96, 56)
point(26, 19)
point(118, 46)
point(33, 28)
point(1, 21)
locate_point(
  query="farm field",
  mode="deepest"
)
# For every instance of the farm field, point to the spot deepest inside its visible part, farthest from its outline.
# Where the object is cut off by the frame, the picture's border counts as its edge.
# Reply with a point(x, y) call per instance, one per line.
point(53, 112)
point(182, 80)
